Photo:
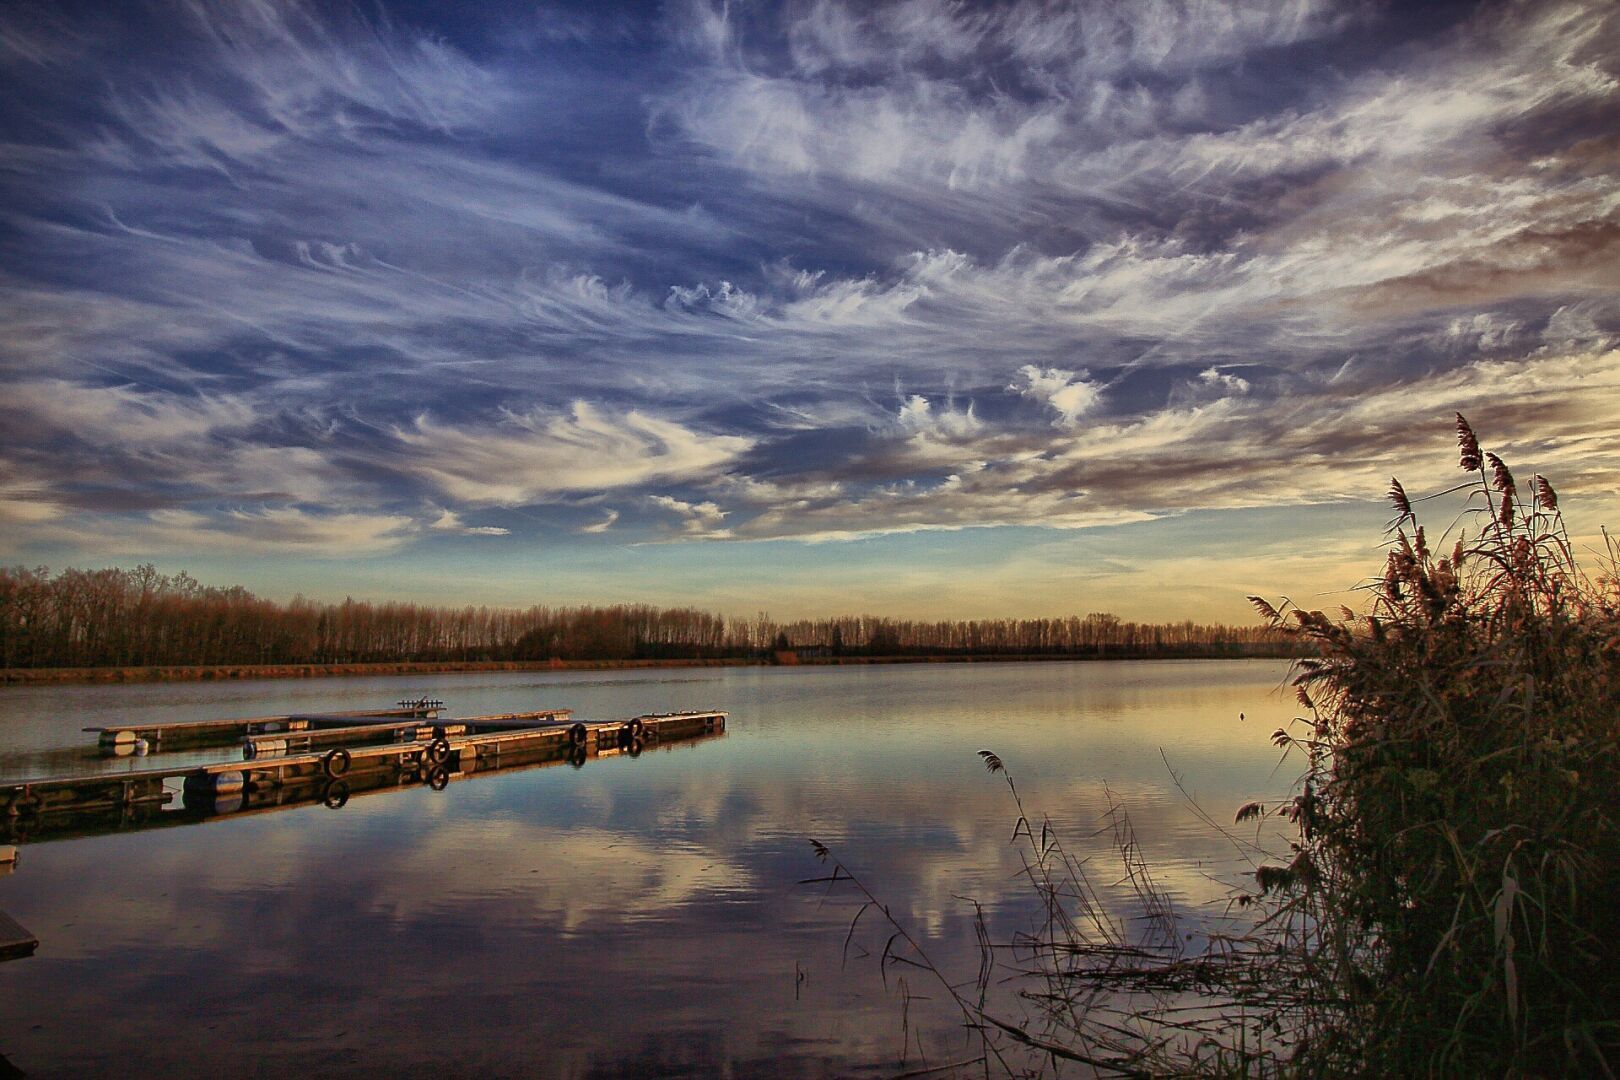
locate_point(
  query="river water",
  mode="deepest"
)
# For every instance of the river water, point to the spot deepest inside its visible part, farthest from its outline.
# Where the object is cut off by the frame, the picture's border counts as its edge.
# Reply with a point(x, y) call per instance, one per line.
point(630, 917)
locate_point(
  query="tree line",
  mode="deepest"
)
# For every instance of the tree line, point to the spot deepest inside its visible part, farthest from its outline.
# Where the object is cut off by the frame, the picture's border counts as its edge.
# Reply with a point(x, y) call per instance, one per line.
point(139, 617)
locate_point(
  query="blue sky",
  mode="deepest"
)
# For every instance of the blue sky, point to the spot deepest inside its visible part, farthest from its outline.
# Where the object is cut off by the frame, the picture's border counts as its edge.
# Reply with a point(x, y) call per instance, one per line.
point(924, 308)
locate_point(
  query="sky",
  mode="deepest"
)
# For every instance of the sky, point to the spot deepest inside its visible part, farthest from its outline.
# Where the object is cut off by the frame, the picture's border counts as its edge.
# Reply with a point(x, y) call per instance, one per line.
point(926, 308)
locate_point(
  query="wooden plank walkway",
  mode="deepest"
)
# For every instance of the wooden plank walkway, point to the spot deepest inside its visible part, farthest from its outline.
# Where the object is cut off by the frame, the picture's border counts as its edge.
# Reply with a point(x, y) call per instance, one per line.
point(196, 734)
point(307, 739)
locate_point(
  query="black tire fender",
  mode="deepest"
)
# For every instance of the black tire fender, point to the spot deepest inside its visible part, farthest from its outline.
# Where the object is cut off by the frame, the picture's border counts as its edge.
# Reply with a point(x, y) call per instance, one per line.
point(336, 762)
point(577, 734)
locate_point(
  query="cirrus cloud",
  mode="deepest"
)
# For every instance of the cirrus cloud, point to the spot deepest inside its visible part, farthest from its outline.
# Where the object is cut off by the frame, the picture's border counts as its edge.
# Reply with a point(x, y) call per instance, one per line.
point(531, 457)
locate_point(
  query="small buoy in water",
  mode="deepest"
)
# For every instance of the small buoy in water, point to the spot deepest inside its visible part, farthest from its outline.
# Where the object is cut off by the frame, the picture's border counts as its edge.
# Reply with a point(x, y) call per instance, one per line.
point(142, 747)
point(8, 854)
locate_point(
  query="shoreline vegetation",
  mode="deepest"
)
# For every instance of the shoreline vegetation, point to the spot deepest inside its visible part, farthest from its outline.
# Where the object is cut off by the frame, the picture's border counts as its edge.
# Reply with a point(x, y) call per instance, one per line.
point(235, 672)
point(1437, 896)
point(128, 625)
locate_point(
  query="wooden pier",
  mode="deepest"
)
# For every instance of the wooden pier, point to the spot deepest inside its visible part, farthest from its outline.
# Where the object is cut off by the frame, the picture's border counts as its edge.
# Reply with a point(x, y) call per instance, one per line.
point(326, 758)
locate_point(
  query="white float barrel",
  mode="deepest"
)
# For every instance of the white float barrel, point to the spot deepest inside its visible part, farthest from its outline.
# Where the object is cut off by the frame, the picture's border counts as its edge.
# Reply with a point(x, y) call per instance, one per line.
point(118, 743)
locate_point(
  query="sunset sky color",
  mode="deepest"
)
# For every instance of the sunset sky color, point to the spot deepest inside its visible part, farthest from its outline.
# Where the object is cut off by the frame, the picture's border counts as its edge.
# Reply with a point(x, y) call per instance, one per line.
point(922, 308)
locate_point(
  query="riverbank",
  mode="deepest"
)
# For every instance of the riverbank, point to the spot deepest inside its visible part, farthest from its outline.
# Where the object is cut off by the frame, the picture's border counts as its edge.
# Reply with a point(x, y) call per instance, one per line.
point(229, 672)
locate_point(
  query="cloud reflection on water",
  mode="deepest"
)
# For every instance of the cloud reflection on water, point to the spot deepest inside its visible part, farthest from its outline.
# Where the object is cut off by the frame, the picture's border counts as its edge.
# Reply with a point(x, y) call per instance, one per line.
point(629, 915)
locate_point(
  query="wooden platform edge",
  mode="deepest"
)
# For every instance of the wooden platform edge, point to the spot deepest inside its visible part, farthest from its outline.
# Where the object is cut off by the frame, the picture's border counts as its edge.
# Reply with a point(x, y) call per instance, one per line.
point(15, 942)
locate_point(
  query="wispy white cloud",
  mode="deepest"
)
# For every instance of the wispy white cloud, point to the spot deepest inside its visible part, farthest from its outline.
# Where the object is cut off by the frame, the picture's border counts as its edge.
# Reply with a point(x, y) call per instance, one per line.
point(530, 457)
point(450, 522)
point(918, 418)
point(1069, 393)
point(123, 412)
point(291, 529)
point(597, 527)
point(697, 519)
point(277, 530)
point(40, 37)
point(25, 498)
point(864, 97)
point(291, 71)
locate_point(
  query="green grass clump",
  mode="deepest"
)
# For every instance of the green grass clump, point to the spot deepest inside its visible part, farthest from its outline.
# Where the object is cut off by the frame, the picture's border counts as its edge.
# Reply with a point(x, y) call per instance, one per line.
point(1457, 867)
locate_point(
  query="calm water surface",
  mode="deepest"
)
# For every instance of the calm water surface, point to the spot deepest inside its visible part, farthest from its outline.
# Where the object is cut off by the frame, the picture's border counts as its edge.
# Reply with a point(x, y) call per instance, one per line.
point(631, 917)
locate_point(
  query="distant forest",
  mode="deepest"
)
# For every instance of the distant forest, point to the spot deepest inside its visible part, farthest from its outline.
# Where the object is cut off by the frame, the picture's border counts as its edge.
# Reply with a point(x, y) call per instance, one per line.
point(139, 618)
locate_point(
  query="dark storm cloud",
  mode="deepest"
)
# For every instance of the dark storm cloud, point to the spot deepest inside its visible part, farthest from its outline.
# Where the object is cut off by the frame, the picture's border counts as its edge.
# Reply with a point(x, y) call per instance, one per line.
point(323, 278)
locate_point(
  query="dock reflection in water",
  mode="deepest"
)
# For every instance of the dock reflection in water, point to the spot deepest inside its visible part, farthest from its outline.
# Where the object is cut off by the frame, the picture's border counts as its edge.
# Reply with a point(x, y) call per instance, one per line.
point(294, 760)
point(633, 917)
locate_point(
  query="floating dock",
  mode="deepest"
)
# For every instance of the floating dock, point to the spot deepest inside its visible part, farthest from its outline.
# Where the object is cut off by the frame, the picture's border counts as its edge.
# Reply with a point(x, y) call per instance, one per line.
point(299, 759)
